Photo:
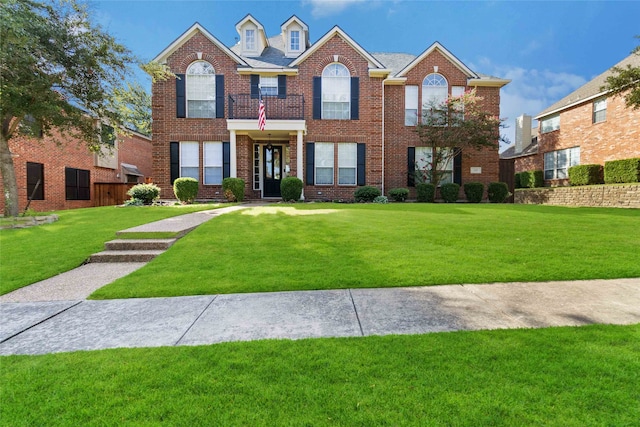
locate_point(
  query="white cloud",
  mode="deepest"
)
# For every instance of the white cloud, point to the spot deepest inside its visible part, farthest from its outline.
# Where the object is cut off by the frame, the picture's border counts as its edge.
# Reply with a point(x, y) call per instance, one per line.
point(324, 8)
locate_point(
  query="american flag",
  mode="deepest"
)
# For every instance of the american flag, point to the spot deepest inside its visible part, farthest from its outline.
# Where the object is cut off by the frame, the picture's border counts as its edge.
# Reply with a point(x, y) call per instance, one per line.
point(262, 117)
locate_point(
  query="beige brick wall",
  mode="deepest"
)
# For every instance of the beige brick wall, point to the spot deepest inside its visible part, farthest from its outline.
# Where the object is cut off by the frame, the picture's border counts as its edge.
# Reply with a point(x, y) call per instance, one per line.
point(613, 196)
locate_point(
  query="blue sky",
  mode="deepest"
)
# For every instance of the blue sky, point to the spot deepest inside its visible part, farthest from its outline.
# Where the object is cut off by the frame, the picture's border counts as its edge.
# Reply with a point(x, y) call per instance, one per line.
point(547, 48)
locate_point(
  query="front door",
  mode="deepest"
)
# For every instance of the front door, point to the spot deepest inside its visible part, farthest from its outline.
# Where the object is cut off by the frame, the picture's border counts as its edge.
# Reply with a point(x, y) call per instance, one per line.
point(272, 156)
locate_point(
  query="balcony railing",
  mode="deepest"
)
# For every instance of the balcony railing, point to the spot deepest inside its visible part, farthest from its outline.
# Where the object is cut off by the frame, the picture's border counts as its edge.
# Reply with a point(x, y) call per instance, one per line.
point(243, 106)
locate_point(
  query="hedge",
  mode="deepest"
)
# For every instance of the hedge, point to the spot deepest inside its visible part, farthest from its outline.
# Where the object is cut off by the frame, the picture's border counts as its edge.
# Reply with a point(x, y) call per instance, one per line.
point(146, 193)
point(531, 179)
point(399, 194)
point(449, 192)
point(621, 171)
point(585, 175)
point(497, 192)
point(291, 189)
point(185, 189)
point(426, 192)
point(366, 193)
point(233, 189)
point(473, 191)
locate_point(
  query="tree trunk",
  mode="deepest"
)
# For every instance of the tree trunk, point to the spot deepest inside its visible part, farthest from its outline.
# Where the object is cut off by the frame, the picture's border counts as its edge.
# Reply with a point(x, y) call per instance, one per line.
point(9, 183)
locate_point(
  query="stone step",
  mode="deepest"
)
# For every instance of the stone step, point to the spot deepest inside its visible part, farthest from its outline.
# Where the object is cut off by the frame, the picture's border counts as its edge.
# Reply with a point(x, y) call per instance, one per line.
point(138, 244)
point(125, 256)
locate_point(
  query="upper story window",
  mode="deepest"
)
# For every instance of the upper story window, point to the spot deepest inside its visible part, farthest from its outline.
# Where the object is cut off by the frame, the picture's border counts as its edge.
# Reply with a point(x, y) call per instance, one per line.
point(294, 40)
point(250, 39)
point(435, 90)
point(201, 90)
point(336, 92)
point(269, 85)
point(550, 123)
point(410, 105)
point(599, 110)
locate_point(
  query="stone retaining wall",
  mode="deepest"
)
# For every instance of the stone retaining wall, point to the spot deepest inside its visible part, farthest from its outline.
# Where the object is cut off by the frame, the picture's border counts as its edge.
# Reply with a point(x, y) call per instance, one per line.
point(612, 196)
point(27, 221)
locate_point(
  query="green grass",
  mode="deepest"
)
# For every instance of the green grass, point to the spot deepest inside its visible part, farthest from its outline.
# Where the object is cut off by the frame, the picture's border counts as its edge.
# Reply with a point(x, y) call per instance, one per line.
point(390, 245)
point(585, 376)
point(32, 254)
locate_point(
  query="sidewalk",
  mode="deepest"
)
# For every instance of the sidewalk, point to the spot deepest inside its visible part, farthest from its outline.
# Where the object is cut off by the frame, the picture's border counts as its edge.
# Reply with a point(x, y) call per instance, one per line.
point(54, 316)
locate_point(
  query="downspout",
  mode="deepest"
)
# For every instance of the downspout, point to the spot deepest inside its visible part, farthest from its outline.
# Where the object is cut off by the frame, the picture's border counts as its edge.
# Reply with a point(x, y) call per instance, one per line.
point(383, 147)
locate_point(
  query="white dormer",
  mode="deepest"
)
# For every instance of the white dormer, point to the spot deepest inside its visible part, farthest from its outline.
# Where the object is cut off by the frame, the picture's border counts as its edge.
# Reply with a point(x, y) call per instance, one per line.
point(253, 39)
point(295, 37)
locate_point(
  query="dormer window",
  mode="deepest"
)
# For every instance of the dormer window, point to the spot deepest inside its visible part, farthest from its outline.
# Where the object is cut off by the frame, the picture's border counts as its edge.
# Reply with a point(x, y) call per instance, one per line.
point(294, 40)
point(250, 39)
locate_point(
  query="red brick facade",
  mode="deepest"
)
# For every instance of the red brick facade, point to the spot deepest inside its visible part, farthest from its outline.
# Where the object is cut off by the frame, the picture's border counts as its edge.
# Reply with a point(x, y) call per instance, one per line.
point(380, 125)
point(133, 150)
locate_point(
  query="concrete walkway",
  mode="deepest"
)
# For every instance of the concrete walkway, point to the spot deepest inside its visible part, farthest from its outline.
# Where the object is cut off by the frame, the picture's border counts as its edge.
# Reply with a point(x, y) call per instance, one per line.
point(53, 315)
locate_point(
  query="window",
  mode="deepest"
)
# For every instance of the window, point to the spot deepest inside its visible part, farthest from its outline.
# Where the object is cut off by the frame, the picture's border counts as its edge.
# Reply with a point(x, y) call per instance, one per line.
point(435, 91)
point(35, 177)
point(294, 40)
point(557, 163)
point(457, 92)
point(76, 184)
point(424, 161)
point(212, 163)
point(107, 135)
point(250, 39)
point(347, 163)
point(201, 90)
point(256, 167)
point(189, 160)
point(336, 92)
point(599, 110)
point(324, 163)
point(269, 85)
point(410, 105)
point(551, 123)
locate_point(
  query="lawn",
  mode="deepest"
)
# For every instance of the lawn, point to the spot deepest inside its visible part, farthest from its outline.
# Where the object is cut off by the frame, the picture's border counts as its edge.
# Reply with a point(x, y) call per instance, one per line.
point(31, 254)
point(585, 376)
point(329, 246)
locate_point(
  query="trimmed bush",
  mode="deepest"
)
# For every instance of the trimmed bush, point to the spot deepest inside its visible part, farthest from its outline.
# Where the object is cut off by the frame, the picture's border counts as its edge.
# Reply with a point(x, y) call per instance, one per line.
point(516, 180)
point(449, 192)
point(366, 193)
point(585, 175)
point(473, 191)
point(426, 192)
point(233, 187)
point(620, 171)
point(531, 179)
point(291, 189)
point(146, 193)
point(381, 200)
point(185, 189)
point(399, 194)
point(497, 192)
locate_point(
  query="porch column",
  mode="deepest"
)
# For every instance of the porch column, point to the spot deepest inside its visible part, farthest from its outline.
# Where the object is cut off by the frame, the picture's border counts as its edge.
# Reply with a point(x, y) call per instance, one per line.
point(233, 166)
point(299, 161)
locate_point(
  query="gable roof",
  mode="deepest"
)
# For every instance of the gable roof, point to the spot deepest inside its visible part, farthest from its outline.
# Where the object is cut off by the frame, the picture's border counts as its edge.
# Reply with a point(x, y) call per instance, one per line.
point(195, 28)
point(451, 57)
point(589, 90)
point(261, 32)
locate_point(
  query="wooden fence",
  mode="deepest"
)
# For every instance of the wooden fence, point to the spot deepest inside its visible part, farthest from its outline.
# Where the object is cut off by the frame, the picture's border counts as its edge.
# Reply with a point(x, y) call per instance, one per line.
point(110, 193)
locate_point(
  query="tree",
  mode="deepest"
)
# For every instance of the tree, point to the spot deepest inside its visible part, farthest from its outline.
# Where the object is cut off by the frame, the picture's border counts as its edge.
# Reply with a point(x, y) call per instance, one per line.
point(626, 81)
point(450, 127)
point(60, 72)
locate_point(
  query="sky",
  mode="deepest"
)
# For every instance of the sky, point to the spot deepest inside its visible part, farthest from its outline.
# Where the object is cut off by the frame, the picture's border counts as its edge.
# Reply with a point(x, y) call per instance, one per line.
point(547, 48)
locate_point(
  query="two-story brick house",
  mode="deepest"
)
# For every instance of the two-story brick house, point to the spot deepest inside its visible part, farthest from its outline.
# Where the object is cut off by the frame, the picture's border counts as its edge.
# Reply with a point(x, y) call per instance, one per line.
point(337, 116)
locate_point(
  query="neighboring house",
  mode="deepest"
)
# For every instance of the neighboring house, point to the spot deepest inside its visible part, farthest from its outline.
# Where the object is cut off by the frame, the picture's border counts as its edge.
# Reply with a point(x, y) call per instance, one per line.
point(337, 116)
point(73, 177)
point(585, 127)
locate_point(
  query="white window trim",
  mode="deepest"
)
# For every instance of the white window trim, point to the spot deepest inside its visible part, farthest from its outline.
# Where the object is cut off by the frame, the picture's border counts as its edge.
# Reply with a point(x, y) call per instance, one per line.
point(291, 40)
point(253, 46)
point(344, 164)
point(326, 83)
point(215, 162)
point(425, 153)
point(209, 95)
point(184, 164)
point(599, 106)
point(433, 82)
point(330, 163)
point(573, 159)
point(550, 124)
point(269, 85)
point(411, 96)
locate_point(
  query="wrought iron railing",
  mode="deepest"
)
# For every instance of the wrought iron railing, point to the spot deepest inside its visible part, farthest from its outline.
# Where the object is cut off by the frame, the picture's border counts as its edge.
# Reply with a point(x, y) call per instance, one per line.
point(244, 106)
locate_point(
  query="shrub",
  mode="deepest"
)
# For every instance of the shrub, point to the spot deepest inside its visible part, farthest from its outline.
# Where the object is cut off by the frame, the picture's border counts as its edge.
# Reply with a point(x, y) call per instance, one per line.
point(185, 189)
point(399, 194)
point(133, 202)
point(381, 199)
point(426, 192)
point(473, 191)
point(516, 180)
point(449, 192)
point(235, 187)
point(531, 179)
point(147, 193)
point(291, 189)
point(619, 171)
point(366, 193)
point(585, 175)
point(497, 192)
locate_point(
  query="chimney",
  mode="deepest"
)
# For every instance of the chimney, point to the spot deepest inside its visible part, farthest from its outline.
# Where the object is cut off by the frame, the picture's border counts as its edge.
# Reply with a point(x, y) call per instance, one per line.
point(523, 133)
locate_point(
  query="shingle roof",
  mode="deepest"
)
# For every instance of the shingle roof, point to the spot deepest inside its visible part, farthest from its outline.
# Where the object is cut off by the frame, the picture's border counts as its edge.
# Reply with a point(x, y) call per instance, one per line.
point(511, 153)
point(589, 90)
point(394, 61)
point(271, 57)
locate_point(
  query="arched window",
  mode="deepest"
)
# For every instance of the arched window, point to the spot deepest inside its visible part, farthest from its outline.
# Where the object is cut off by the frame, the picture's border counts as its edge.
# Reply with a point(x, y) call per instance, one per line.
point(435, 91)
point(201, 90)
point(336, 92)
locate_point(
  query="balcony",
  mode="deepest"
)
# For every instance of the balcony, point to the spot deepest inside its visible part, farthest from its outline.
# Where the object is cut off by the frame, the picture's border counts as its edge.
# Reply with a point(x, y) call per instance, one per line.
point(244, 107)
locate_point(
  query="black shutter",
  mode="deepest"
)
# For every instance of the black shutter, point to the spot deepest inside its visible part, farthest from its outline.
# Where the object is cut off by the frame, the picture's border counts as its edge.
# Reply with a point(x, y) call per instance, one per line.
point(355, 98)
point(282, 86)
point(457, 168)
point(71, 183)
point(255, 90)
point(362, 148)
point(181, 96)
point(174, 155)
point(226, 160)
point(219, 96)
point(35, 173)
point(317, 98)
point(84, 185)
point(310, 163)
point(411, 166)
